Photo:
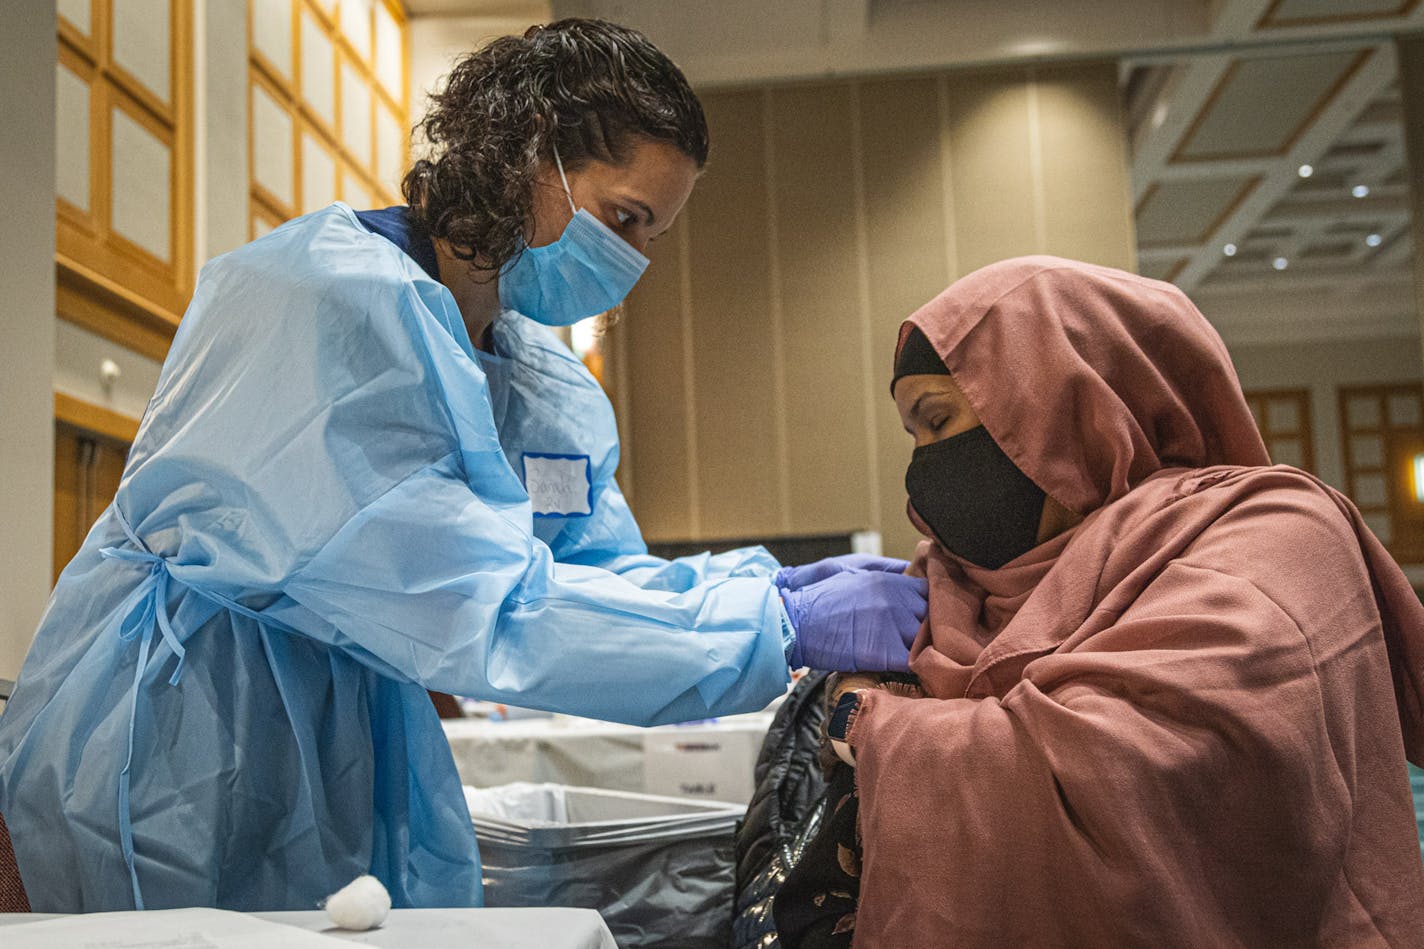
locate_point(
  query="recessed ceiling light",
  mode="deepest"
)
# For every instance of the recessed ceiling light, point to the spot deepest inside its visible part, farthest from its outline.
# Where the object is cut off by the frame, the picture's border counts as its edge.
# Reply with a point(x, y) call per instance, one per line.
point(1305, 171)
point(1361, 191)
point(1280, 263)
point(1374, 240)
point(1229, 250)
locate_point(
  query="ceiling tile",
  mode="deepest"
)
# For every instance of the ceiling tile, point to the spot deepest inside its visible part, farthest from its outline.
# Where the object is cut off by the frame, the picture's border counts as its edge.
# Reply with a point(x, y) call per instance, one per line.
point(1263, 104)
point(1185, 212)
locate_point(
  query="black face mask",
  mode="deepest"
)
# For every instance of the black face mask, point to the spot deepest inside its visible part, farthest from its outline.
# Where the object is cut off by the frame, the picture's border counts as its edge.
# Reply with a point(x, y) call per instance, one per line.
point(974, 498)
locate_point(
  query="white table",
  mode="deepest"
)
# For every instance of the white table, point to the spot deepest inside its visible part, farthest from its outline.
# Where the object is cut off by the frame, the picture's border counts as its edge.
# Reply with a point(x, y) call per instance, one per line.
point(544, 928)
point(712, 761)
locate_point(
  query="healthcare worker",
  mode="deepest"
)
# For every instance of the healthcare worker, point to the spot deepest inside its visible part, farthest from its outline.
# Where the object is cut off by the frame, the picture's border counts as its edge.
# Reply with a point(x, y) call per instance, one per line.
point(369, 471)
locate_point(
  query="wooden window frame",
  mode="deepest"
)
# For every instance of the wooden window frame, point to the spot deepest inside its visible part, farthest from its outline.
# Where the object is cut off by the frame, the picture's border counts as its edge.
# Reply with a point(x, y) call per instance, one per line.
point(1306, 434)
point(105, 282)
point(264, 207)
point(1399, 444)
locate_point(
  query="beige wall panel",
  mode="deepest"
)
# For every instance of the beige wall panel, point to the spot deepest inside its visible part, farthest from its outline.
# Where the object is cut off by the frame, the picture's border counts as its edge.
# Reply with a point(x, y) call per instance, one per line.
point(655, 459)
point(1087, 205)
point(907, 263)
point(141, 42)
point(825, 403)
point(991, 168)
point(734, 368)
point(803, 255)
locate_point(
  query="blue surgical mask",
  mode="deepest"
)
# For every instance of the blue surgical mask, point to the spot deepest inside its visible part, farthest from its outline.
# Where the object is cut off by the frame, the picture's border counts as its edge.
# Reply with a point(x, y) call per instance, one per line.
point(587, 271)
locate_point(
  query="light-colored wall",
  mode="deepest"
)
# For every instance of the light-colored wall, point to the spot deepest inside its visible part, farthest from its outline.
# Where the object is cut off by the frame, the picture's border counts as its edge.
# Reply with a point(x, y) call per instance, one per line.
point(42, 355)
point(79, 356)
point(220, 139)
point(437, 41)
point(1322, 367)
point(27, 157)
point(754, 362)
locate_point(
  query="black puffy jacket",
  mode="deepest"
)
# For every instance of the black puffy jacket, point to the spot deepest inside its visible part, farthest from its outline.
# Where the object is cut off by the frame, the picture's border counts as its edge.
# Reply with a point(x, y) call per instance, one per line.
point(789, 788)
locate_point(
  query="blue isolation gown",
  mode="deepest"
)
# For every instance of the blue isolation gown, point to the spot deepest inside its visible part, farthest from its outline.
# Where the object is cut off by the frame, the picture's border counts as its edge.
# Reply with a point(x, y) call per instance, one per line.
point(324, 514)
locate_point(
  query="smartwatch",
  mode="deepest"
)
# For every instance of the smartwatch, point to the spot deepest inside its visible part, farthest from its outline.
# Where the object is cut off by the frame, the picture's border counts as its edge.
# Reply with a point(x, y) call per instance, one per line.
point(842, 718)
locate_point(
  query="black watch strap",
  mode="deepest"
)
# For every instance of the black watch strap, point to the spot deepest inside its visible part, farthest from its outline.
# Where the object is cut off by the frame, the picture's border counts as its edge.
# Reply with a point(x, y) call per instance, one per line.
point(843, 716)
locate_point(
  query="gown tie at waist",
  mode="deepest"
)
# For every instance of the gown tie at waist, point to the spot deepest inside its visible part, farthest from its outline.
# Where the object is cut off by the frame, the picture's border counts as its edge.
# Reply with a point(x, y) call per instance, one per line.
point(143, 611)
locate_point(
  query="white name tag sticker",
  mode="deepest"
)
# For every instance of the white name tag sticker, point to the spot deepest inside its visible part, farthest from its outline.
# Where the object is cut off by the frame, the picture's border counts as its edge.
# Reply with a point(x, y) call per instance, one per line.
point(558, 485)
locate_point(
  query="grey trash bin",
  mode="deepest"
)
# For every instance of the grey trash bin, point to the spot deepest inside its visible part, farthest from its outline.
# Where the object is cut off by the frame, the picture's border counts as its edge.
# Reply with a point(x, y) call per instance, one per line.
point(659, 869)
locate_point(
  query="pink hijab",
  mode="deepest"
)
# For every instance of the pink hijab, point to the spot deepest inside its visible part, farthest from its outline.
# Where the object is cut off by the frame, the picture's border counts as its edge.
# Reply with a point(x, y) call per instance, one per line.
point(1183, 721)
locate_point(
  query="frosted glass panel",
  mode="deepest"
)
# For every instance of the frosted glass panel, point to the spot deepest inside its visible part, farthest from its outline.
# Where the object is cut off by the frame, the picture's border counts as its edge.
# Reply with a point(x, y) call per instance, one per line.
point(141, 30)
point(389, 56)
point(318, 70)
point(1404, 411)
point(1370, 491)
point(1284, 415)
point(1363, 412)
point(141, 186)
point(272, 33)
point(390, 151)
point(355, 193)
point(1381, 526)
point(1367, 451)
point(272, 155)
point(1287, 451)
point(71, 166)
point(77, 13)
point(356, 26)
point(318, 176)
point(356, 115)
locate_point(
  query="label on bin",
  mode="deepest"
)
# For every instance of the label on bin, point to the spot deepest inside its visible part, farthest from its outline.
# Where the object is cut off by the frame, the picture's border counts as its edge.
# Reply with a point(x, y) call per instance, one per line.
point(713, 766)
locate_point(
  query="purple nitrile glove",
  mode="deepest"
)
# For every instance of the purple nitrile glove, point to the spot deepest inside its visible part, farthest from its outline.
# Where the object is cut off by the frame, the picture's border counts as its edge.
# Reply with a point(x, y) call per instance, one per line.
point(798, 578)
point(857, 621)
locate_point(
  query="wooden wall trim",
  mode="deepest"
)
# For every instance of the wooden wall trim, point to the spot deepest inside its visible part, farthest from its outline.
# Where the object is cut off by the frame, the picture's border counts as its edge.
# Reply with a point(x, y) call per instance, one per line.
point(96, 419)
point(107, 308)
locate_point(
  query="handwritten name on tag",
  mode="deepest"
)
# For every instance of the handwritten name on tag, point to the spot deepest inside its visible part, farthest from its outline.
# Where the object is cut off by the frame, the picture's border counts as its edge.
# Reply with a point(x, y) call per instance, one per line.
point(558, 485)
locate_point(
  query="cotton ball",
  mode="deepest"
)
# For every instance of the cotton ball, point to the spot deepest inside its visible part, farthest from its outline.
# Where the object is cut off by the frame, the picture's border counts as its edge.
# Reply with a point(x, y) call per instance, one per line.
point(472, 800)
point(361, 904)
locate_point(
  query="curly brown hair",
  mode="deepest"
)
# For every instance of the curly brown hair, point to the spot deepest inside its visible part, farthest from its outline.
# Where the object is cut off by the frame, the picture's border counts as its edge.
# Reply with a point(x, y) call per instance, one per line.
point(589, 87)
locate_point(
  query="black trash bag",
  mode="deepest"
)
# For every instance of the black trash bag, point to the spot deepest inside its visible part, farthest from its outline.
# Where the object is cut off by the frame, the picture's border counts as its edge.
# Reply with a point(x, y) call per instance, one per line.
point(785, 811)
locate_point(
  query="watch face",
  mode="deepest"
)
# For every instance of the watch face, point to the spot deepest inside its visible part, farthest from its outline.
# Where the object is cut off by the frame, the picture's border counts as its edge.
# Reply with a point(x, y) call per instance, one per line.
point(841, 716)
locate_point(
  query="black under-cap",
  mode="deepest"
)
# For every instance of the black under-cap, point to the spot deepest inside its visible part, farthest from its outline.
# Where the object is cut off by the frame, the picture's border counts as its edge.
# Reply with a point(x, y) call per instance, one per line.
point(917, 358)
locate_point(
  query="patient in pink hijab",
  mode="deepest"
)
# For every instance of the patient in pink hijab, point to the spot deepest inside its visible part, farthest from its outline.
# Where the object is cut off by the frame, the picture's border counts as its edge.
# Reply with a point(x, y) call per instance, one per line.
point(1169, 689)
